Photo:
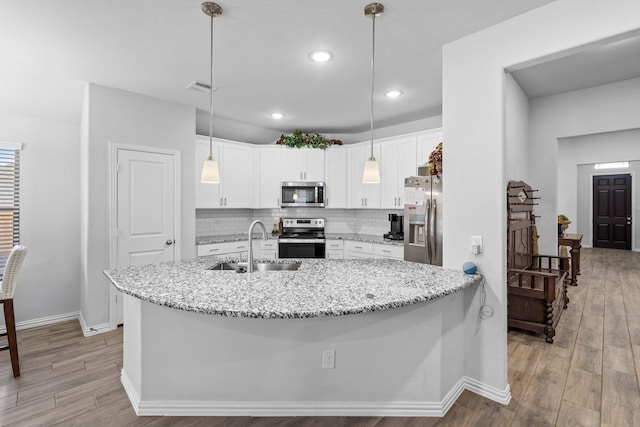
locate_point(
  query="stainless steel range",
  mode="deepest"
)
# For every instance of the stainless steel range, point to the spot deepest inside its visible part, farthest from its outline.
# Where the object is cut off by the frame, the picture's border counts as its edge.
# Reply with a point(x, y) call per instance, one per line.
point(302, 238)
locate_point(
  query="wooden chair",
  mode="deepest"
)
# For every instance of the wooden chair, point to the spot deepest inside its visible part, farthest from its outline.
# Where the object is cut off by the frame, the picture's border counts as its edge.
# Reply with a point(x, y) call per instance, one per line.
point(536, 284)
point(8, 288)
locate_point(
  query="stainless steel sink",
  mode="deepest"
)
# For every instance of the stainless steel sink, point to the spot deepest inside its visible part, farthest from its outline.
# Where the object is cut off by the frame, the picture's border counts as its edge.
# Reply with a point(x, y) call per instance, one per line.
point(276, 266)
point(257, 266)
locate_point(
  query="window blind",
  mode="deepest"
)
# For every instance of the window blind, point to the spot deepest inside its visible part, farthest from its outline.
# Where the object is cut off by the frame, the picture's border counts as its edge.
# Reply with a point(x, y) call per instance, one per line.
point(9, 201)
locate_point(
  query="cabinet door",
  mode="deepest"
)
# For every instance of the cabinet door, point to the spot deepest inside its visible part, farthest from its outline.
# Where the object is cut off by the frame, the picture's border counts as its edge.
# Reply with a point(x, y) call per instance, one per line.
point(407, 165)
point(427, 142)
point(237, 182)
point(389, 173)
point(293, 164)
point(207, 195)
point(314, 170)
point(336, 177)
point(269, 177)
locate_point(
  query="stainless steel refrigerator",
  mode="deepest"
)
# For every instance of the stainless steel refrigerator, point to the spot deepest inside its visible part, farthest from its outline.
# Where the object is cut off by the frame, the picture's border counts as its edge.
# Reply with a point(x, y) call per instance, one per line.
point(423, 219)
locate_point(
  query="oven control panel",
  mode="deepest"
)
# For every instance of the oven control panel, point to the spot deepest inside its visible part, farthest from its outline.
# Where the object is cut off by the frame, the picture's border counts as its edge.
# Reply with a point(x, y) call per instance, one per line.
point(303, 222)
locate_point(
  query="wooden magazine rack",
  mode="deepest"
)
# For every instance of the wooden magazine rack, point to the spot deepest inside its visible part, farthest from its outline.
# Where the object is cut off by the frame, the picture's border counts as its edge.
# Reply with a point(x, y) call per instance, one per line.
point(536, 284)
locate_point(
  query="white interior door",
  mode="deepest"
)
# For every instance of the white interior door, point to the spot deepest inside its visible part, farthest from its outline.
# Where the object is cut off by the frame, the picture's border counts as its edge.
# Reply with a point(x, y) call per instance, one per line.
point(145, 209)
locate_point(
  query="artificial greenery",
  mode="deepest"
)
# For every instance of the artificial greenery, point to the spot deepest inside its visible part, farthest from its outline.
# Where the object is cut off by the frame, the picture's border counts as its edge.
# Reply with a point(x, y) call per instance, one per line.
point(311, 140)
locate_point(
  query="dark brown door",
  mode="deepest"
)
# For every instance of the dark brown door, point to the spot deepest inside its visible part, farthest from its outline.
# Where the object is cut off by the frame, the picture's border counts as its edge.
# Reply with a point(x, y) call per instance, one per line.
point(612, 211)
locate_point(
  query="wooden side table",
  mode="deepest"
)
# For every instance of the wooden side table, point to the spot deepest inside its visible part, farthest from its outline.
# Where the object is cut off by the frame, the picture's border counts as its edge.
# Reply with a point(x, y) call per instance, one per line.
point(574, 241)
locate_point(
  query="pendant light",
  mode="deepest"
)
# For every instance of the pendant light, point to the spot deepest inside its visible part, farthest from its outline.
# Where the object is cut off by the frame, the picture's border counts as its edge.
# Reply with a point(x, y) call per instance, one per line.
point(371, 174)
point(210, 168)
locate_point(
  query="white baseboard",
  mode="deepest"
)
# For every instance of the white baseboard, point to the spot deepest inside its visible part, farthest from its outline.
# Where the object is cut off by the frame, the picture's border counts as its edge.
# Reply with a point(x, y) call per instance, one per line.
point(43, 321)
point(95, 329)
point(283, 409)
point(484, 390)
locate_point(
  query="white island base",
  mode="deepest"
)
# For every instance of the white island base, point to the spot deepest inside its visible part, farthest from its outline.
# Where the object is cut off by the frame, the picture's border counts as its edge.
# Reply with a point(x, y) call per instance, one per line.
point(404, 361)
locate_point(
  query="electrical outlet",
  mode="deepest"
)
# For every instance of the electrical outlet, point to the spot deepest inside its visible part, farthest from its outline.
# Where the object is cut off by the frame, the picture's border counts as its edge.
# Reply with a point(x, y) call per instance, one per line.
point(328, 359)
point(476, 245)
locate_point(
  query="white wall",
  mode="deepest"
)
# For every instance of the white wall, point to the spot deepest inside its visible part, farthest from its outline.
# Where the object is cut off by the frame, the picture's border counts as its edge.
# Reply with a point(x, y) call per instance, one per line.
point(576, 156)
point(475, 149)
point(516, 131)
point(600, 109)
point(49, 217)
point(127, 118)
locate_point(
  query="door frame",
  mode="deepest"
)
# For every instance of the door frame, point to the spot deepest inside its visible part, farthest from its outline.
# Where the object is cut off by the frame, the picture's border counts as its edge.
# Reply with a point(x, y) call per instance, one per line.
point(633, 205)
point(114, 147)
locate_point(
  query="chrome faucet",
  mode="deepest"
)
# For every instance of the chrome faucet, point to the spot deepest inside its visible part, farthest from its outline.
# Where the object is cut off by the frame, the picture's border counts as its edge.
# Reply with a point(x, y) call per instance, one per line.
point(250, 254)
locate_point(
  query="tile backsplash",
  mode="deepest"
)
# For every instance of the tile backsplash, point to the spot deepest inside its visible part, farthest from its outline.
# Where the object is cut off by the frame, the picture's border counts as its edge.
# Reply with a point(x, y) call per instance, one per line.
point(218, 222)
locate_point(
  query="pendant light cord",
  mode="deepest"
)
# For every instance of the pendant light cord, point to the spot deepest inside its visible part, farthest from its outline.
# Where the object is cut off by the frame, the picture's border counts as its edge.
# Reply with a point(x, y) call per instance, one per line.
point(211, 99)
point(373, 61)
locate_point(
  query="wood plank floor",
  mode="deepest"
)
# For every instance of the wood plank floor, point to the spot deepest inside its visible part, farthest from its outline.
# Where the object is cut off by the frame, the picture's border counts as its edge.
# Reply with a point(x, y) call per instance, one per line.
point(587, 377)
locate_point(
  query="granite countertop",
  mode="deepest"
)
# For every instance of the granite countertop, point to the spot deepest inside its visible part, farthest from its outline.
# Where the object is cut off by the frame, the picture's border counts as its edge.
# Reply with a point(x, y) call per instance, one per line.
point(372, 238)
point(319, 288)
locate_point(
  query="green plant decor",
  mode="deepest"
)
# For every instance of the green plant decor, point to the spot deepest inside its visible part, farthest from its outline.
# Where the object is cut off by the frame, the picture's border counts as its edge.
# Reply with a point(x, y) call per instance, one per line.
point(311, 140)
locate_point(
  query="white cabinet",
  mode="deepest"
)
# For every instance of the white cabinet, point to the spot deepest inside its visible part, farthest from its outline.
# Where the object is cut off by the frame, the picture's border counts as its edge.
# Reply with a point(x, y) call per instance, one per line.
point(398, 160)
point(227, 249)
point(302, 164)
point(236, 179)
point(427, 142)
point(363, 250)
point(269, 249)
point(358, 250)
point(336, 177)
point(388, 251)
point(269, 177)
point(334, 249)
point(362, 196)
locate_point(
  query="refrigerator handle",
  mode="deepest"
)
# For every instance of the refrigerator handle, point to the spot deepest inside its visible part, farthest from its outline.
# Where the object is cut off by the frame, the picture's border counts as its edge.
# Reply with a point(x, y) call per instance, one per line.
point(434, 215)
point(427, 237)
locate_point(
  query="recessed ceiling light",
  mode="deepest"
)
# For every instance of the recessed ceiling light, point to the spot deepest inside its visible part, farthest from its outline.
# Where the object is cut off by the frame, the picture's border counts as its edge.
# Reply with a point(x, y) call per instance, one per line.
point(320, 56)
point(277, 115)
point(393, 93)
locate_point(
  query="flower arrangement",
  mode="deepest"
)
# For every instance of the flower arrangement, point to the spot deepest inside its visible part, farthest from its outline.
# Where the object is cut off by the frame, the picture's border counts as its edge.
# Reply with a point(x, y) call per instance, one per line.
point(311, 140)
point(435, 160)
point(563, 224)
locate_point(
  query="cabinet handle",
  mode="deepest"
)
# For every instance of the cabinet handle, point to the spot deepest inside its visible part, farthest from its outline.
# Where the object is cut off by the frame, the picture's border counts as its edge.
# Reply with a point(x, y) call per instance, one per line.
point(242, 247)
point(214, 250)
point(366, 202)
point(278, 201)
point(358, 247)
point(221, 201)
point(362, 202)
point(225, 201)
point(386, 251)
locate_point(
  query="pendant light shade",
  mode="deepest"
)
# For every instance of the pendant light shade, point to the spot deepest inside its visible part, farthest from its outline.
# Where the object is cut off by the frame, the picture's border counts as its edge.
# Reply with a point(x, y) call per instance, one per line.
point(371, 174)
point(210, 171)
point(210, 167)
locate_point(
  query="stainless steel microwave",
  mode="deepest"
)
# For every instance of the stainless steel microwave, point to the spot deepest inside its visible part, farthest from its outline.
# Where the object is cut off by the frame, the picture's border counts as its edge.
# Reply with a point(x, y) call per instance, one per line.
point(302, 194)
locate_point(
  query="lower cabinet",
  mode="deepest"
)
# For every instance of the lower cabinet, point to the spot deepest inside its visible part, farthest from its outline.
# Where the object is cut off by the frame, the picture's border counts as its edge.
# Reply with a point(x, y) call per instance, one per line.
point(334, 249)
point(226, 249)
point(363, 250)
point(268, 249)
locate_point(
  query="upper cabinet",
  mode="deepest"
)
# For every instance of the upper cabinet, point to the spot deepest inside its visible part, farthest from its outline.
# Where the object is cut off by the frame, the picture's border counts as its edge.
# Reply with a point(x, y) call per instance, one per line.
point(302, 164)
point(269, 176)
point(336, 177)
point(362, 196)
point(236, 179)
point(426, 143)
point(397, 161)
point(251, 175)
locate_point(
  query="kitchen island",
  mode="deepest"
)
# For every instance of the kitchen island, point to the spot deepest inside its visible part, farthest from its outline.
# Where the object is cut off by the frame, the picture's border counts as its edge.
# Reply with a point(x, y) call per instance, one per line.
point(336, 337)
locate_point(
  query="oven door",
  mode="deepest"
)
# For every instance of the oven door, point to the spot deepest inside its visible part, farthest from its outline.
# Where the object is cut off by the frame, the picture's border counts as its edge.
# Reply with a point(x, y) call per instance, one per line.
point(301, 248)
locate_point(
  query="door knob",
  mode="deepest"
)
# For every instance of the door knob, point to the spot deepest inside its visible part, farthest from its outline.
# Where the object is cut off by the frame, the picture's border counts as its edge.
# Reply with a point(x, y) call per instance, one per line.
point(170, 242)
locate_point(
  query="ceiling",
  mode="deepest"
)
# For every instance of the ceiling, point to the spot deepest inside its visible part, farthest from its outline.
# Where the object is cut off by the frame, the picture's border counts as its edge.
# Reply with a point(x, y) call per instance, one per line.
point(50, 48)
point(591, 66)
